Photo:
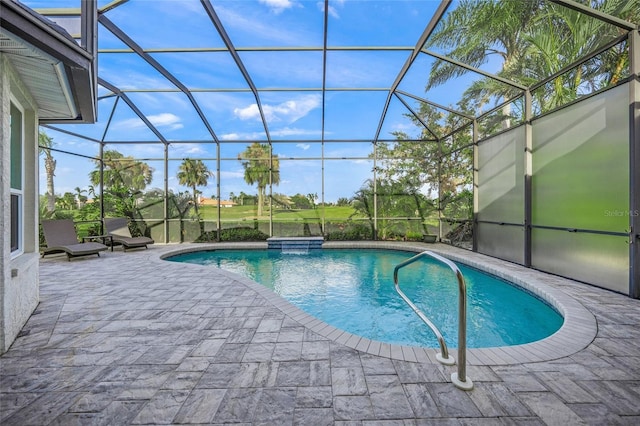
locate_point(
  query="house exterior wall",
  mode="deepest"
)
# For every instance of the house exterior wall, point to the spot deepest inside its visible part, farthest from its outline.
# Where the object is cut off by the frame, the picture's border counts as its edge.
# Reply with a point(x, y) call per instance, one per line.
point(19, 287)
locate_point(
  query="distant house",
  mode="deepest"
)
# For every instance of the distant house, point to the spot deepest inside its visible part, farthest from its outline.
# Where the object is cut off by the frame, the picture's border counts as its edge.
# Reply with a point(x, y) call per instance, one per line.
point(204, 201)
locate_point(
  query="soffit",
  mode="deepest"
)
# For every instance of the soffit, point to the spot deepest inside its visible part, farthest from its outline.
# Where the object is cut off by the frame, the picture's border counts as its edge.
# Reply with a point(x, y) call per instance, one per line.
point(43, 75)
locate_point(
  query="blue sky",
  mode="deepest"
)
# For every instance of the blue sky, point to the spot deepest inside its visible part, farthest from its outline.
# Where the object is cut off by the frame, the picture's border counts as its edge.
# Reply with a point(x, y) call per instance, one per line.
point(293, 115)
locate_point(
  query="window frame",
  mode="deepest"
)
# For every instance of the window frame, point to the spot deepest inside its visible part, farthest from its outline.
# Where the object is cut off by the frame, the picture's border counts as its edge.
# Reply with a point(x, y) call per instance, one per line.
point(18, 193)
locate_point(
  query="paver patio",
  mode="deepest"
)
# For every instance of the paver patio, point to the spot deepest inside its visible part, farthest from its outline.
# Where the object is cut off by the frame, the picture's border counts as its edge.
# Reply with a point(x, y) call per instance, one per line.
point(128, 338)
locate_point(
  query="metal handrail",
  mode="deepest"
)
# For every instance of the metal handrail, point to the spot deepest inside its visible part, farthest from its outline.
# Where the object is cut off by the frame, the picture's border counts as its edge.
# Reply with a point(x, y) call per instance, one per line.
point(459, 379)
point(443, 356)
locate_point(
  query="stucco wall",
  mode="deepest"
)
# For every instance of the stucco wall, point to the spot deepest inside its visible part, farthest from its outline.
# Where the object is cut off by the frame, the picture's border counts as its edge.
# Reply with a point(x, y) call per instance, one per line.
point(19, 289)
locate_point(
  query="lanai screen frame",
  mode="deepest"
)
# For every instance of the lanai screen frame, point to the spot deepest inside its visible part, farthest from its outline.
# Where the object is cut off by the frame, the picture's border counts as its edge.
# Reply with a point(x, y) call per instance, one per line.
point(393, 91)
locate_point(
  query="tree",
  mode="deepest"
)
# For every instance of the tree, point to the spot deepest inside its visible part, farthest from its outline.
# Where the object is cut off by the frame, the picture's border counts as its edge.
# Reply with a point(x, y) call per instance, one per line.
point(122, 172)
point(246, 199)
point(395, 204)
point(535, 39)
point(80, 198)
point(443, 168)
point(573, 35)
point(67, 201)
point(343, 201)
point(282, 201)
point(261, 168)
point(300, 202)
point(477, 29)
point(312, 199)
point(45, 144)
point(124, 179)
point(428, 164)
point(194, 173)
point(179, 206)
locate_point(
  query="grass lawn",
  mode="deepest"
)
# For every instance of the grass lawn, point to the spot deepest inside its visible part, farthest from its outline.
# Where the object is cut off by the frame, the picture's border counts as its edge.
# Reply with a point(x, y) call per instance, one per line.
point(210, 213)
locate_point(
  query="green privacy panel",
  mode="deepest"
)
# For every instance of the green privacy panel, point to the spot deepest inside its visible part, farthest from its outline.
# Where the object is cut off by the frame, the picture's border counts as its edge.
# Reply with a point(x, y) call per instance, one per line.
point(151, 207)
point(598, 259)
point(183, 231)
point(297, 228)
point(501, 241)
point(581, 164)
point(501, 177)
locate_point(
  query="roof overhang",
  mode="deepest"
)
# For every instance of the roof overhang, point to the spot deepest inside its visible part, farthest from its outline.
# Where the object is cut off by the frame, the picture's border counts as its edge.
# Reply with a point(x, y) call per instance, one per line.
point(57, 71)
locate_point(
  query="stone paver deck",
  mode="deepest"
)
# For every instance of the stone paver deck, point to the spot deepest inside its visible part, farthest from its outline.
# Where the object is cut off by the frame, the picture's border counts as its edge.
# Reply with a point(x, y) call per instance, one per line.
point(128, 338)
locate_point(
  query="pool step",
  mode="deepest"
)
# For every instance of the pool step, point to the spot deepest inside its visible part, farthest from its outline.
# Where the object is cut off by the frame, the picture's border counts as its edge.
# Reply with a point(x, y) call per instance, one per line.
point(295, 244)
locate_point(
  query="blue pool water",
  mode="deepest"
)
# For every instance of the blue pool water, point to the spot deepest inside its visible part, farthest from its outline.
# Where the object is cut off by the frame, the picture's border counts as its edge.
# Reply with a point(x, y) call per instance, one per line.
point(353, 290)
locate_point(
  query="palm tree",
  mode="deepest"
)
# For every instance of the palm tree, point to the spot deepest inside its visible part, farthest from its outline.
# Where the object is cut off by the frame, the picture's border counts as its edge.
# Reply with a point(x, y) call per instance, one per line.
point(194, 173)
point(80, 198)
point(573, 35)
point(179, 206)
point(261, 168)
point(122, 172)
point(45, 144)
point(477, 29)
point(535, 39)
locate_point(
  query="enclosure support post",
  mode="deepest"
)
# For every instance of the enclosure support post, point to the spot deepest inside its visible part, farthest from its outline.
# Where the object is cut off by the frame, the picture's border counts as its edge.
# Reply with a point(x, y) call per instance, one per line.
point(323, 221)
point(219, 222)
point(270, 190)
point(375, 191)
point(634, 164)
point(439, 171)
point(528, 172)
point(324, 103)
point(475, 163)
point(165, 222)
point(101, 188)
point(104, 135)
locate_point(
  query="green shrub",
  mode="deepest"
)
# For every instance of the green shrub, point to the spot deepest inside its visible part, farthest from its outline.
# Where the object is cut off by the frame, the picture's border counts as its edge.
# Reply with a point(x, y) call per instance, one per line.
point(349, 231)
point(233, 234)
point(413, 236)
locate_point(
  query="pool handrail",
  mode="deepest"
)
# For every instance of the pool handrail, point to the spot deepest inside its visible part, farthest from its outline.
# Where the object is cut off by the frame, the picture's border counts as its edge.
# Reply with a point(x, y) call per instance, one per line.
point(459, 379)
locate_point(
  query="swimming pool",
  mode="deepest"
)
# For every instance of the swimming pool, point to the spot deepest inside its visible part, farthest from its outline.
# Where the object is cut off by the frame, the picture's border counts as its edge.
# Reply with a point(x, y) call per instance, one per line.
point(353, 290)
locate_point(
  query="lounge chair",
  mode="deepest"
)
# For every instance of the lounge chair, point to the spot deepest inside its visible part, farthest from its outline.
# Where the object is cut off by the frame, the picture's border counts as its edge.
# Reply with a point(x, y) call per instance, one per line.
point(61, 237)
point(118, 229)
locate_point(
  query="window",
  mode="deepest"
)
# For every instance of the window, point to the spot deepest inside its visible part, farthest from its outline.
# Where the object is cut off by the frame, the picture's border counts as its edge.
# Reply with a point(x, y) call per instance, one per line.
point(17, 178)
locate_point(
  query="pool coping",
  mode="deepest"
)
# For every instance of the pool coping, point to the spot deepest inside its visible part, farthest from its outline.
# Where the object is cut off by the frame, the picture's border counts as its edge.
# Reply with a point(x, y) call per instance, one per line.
point(576, 333)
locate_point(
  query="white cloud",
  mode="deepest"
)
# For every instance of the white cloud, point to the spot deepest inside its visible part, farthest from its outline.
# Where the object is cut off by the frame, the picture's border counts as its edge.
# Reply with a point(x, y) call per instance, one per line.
point(333, 12)
point(287, 131)
point(277, 6)
point(255, 24)
point(229, 137)
point(166, 119)
point(232, 175)
point(304, 146)
point(133, 79)
point(247, 113)
point(163, 120)
point(186, 149)
point(260, 136)
point(131, 123)
point(288, 111)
